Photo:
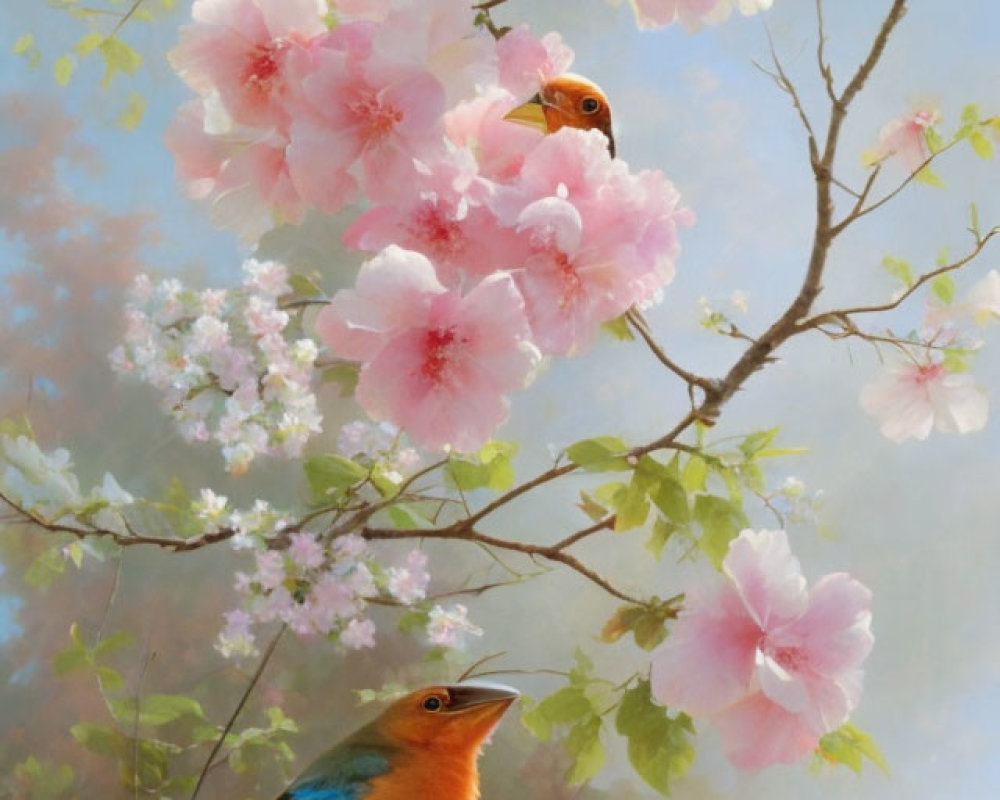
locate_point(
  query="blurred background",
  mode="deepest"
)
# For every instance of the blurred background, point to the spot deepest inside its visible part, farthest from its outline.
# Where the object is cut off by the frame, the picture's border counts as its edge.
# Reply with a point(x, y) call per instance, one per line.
point(87, 205)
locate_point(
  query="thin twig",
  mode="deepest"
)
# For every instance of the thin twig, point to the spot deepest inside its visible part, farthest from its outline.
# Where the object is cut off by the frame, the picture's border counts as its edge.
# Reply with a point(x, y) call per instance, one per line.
point(236, 711)
point(638, 323)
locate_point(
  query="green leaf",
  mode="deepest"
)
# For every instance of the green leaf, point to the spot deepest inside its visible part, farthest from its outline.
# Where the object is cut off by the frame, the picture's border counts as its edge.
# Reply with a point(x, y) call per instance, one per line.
point(662, 531)
point(44, 569)
point(589, 506)
point(721, 521)
point(43, 779)
point(970, 114)
point(695, 474)
point(303, 286)
point(647, 624)
point(634, 506)
point(659, 748)
point(849, 746)
point(492, 470)
point(898, 269)
point(601, 454)
point(114, 642)
point(407, 517)
point(24, 43)
point(929, 177)
point(981, 144)
point(974, 219)
point(934, 141)
point(118, 56)
point(758, 441)
point(564, 707)
point(330, 473)
point(87, 44)
point(944, 287)
point(584, 744)
point(134, 111)
point(70, 660)
point(100, 739)
point(158, 709)
point(344, 375)
point(62, 69)
point(110, 678)
point(619, 329)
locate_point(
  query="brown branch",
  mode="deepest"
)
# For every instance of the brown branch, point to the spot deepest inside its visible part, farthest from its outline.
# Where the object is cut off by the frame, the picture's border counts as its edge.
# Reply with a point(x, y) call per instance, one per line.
point(124, 540)
point(640, 326)
point(461, 532)
point(858, 212)
point(839, 314)
point(824, 67)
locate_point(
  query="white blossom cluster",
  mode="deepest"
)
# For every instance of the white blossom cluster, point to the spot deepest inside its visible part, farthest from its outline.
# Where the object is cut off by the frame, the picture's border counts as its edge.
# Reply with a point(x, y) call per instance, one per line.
point(45, 484)
point(224, 363)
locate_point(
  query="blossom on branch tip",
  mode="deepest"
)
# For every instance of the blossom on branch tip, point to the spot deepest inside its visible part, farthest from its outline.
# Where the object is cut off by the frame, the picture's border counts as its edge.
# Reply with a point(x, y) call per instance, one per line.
point(912, 399)
point(905, 137)
point(450, 627)
point(773, 664)
point(691, 14)
point(408, 584)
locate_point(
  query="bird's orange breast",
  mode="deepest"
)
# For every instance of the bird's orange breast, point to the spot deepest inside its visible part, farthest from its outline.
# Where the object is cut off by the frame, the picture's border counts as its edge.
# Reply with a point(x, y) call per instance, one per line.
point(429, 776)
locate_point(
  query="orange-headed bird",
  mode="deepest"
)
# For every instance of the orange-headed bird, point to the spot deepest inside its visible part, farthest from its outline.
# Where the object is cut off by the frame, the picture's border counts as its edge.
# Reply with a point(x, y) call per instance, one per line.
point(568, 101)
point(423, 747)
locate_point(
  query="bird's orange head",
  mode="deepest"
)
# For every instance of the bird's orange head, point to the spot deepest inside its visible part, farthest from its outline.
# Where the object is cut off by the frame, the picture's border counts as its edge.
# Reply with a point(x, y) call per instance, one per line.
point(446, 717)
point(567, 101)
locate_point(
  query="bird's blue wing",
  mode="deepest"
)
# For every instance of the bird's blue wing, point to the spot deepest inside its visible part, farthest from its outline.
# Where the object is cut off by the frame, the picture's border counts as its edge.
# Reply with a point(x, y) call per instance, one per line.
point(341, 774)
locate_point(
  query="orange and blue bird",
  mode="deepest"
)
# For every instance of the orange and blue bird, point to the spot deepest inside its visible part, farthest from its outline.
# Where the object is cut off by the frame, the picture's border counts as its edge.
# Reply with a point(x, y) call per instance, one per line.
point(567, 101)
point(425, 746)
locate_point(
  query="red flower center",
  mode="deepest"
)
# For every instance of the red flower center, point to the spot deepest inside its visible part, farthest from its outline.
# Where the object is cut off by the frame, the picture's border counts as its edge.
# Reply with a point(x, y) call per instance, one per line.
point(572, 283)
point(265, 63)
point(437, 347)
point(377, 118)
point(433, 227)
point(928, 373)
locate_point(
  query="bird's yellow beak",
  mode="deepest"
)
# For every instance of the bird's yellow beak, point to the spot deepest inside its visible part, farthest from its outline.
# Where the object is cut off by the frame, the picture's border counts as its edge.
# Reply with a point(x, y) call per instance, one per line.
point(531, 114)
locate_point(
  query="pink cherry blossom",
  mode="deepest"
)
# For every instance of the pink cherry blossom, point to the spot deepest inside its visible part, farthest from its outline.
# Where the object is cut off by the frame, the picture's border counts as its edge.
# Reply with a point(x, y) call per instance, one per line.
point(408, 583)
point(244, 175)
point(442, 213)
point(774, 664)
point(981, 304)
point(601, 239)
point(436, 363)
point(913, 399)
point(239, 48)
point(500, 146)
point(692, 14)
point(438, 36)
point(905, 137)
point(525, 62)
point(359, 634)
point(305, 551)
point(351, 107)
point(450, 627)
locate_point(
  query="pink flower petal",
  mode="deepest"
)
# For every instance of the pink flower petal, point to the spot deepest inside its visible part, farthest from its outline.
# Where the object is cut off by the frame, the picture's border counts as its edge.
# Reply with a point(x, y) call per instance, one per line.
point(757, 732)
point(767, 576)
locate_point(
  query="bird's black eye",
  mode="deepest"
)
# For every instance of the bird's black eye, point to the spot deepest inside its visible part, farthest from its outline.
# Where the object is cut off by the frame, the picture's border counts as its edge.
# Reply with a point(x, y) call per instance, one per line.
point(433, 703)
point(589, 105)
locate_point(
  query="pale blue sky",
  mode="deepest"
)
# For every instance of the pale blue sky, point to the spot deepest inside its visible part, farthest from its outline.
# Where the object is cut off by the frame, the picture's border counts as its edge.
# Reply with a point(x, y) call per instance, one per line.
point(917, 522)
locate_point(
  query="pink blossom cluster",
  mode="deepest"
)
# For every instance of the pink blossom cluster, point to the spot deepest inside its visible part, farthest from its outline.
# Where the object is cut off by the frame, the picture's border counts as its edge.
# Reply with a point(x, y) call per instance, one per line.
point(691, 14)
point(318, 588)
point(492, 243)
point(775, 665)
point(928, 391)
point(449, 627)
point(225, 364)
